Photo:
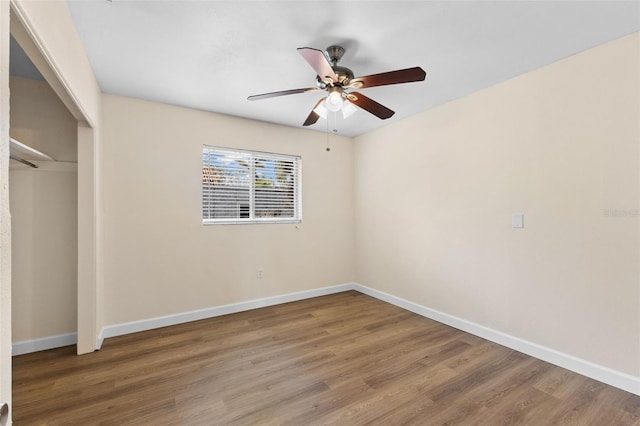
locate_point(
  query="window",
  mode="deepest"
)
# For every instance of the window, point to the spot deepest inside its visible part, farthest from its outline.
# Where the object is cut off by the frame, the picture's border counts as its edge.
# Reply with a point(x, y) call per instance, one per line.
point(250, 187)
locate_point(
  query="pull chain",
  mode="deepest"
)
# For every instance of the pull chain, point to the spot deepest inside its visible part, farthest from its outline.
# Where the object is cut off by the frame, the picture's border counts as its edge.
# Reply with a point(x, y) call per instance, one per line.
point(327, 133)
point(335, 130)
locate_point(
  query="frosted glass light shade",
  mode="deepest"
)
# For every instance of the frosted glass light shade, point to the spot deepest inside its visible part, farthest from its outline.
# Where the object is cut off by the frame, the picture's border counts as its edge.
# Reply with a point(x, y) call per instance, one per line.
point(334, 101)
point(348, 109)
point(321, 110)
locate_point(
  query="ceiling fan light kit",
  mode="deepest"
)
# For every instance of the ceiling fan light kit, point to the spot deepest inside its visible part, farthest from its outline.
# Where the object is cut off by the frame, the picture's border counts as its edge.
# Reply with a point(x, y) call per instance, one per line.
point(336, 80)
point(334, 100)
point(347, 109)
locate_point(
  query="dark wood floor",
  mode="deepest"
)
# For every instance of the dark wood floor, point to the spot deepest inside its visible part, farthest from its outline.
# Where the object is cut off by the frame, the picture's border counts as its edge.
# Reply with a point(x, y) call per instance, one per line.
point(344, 359)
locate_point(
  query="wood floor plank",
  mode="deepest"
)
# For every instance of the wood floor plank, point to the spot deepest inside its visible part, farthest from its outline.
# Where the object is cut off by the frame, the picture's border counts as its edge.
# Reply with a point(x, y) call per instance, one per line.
point(343, 359)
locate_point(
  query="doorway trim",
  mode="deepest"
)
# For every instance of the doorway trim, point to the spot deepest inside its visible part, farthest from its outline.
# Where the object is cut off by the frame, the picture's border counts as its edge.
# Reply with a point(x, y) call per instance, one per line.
point(24, 31)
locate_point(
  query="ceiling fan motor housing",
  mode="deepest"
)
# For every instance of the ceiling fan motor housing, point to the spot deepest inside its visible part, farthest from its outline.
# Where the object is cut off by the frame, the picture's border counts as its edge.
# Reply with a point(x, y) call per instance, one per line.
point(345, 75)
point(334, 54)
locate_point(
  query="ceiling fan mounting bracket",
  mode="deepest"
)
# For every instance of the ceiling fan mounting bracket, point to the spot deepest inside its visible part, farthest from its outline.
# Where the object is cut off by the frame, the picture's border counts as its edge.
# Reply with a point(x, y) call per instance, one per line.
point(334, 54)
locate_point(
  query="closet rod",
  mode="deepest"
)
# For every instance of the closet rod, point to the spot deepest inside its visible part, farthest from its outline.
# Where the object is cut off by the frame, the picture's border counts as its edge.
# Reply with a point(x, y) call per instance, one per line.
point(23, 161)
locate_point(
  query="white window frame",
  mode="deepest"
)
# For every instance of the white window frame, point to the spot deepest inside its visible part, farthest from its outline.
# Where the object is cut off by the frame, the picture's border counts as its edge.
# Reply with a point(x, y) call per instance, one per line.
point(253, 155)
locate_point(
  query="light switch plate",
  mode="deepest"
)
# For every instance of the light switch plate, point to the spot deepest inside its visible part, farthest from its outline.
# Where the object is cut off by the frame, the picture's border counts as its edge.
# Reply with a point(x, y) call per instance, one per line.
point(517, 220)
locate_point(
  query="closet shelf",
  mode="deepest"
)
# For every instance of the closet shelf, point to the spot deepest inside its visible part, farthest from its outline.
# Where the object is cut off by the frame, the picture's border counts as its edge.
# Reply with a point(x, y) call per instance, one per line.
point(26, 154)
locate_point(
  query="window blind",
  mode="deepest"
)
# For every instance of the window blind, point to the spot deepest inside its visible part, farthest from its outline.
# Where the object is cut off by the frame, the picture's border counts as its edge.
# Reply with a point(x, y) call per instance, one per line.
point(250, 187)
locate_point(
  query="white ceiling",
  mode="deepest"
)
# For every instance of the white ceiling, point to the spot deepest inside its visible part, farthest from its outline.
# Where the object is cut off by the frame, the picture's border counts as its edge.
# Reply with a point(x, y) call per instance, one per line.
point(211, 55)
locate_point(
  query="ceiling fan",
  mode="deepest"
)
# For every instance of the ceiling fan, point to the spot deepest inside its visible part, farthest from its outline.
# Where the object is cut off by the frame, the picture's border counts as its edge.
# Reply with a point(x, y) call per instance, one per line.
point(338, 82)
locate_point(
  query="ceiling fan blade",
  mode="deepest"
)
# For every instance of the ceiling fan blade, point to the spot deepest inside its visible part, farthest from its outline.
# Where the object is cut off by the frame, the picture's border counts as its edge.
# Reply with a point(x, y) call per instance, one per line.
point(282, 93)
point(313, 117)
point(392, 77)
point(370, 105)
point(319, 63)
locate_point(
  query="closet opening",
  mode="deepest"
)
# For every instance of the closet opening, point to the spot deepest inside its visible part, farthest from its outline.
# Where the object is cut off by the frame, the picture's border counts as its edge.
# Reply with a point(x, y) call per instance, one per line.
point(43, 196)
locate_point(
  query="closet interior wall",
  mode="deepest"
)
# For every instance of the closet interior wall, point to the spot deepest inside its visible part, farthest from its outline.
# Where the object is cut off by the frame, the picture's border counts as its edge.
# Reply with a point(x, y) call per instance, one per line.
point(44, 208)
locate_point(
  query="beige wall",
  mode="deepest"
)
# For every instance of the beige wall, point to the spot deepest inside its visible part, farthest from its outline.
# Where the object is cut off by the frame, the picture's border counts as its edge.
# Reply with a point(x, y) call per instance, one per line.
point(559, 144)
point(44, 250)
point(158, 257)
point(44, 215)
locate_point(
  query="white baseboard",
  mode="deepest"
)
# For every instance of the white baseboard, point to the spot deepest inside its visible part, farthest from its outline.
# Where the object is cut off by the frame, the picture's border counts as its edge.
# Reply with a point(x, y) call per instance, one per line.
point(100, 339)
point(43, 343)
point(151, 323)
point(589, 369)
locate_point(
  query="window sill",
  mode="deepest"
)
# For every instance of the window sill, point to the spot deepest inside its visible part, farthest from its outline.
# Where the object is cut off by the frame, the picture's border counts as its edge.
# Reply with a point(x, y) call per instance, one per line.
point(249, 222)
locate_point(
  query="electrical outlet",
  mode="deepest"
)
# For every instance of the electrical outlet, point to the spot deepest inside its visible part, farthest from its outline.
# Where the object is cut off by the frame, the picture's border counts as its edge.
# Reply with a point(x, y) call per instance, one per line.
point(259, 274)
